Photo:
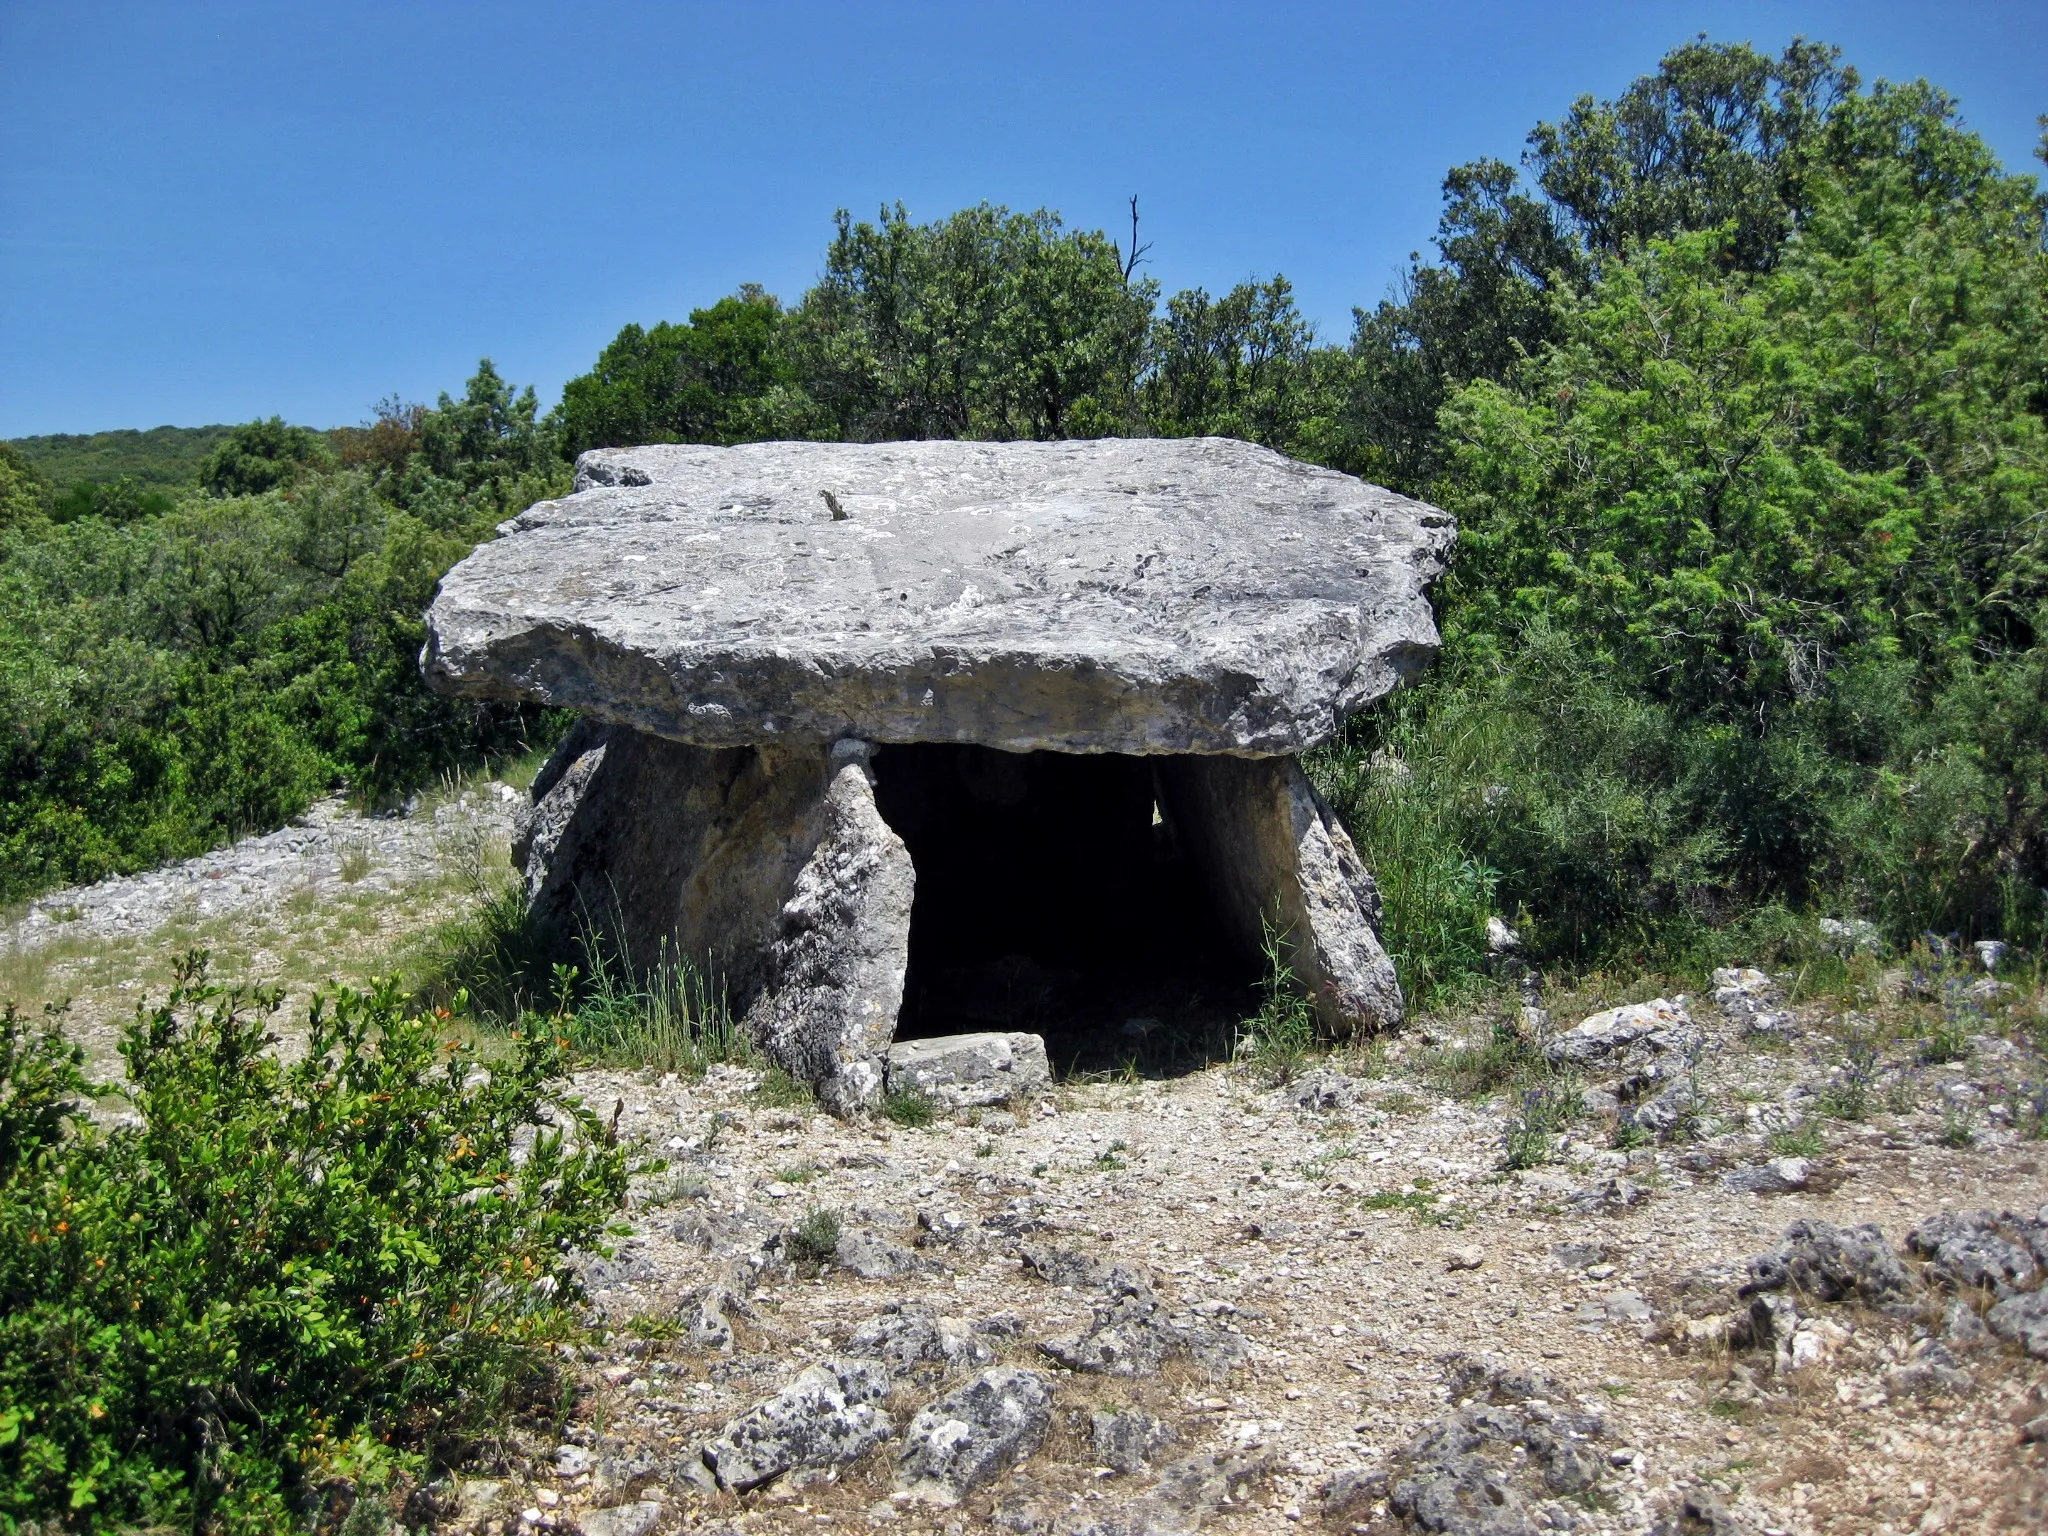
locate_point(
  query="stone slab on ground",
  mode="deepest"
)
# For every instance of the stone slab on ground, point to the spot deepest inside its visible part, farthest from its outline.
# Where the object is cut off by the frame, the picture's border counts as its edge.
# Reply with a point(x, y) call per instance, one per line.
point(971, 1071)
point(1127, 595)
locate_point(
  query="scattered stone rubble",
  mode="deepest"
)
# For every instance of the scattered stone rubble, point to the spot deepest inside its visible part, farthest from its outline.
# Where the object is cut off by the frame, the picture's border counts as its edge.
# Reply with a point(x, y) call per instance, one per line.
point(1321, 1304)
point(1207, 1340)
point(332, 851)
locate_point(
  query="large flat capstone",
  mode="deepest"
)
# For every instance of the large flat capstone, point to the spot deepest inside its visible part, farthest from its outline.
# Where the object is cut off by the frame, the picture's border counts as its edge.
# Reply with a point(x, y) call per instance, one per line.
point(1194, 595)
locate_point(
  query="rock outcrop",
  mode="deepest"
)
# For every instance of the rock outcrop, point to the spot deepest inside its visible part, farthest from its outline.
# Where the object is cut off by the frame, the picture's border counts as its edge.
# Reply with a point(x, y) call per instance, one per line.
point(759, 664)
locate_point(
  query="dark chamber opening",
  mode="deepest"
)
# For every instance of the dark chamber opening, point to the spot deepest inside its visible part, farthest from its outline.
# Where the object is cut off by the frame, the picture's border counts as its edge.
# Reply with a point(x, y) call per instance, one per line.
point(1051, 897)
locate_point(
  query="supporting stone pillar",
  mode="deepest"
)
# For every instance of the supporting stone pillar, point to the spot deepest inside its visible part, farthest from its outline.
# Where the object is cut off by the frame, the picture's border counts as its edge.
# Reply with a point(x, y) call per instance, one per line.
point(769, 867)
point(1272, 852)
point(836, 968)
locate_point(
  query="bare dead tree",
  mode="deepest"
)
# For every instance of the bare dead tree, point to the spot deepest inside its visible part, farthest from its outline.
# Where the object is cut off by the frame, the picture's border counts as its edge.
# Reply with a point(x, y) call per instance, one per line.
point(1137, 251)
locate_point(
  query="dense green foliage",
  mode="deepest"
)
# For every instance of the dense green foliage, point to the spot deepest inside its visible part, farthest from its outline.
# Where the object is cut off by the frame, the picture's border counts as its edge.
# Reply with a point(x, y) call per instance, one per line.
point(986, 324)
point(1737, 388)
point(173, 676)
point(1748, 611)
point(275, 1276)
point(24, 489)
point(162, 458)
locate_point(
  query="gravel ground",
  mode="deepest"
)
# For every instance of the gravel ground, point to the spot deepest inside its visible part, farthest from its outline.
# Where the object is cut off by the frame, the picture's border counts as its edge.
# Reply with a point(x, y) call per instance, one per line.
point(328, 852)
point(1367, 1260)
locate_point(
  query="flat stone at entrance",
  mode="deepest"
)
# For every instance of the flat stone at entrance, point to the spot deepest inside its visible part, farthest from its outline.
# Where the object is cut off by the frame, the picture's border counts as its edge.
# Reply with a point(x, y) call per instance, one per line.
point(971, 1071)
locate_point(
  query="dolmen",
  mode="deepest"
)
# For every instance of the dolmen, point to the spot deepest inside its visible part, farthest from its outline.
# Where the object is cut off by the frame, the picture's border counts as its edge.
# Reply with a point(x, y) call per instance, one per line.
point(926, 735)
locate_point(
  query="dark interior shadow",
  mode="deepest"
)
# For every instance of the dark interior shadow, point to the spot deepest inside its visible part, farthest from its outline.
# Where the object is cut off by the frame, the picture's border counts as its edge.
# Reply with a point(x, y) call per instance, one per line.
point(1051, 897)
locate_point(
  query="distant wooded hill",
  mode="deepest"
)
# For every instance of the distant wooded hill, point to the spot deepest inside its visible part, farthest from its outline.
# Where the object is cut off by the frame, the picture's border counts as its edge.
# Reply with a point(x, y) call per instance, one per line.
point(165, 457)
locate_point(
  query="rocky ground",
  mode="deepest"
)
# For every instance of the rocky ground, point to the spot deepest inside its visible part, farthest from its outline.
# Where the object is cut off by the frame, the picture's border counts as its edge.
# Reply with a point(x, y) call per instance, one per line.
point(1241, 1304)
point(336, 896)
point(1757, 1260)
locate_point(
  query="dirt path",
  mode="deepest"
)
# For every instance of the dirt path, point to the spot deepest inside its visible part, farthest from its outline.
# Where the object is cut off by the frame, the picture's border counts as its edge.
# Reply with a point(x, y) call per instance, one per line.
point(1338, 1263)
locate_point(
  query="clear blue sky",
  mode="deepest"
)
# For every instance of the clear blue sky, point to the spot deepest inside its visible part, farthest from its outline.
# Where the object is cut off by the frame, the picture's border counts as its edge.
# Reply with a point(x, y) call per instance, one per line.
point(210, 212)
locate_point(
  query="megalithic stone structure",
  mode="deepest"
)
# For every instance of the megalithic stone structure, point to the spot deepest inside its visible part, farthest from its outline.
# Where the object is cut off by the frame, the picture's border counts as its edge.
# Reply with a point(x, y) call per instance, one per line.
point(965, 718)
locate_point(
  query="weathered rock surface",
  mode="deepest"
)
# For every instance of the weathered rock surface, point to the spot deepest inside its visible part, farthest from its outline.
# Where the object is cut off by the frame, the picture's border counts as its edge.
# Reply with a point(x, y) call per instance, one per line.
point(971, 1071)
point(1495, 1466)
point(824, 1418)
point(913, 1340)
point(1140, 595)
point(1133, 1334)
point(835, 970)
point(1125, 1440)
point(674, 849)
point(1614, 1029)
point(1277, 861)
point(1982, 1250)
point(974, 1432)
point(872, 1257)
point(635, 1519)
point(2022, 1320)
point(1819, 1259)
point(1780, 1176)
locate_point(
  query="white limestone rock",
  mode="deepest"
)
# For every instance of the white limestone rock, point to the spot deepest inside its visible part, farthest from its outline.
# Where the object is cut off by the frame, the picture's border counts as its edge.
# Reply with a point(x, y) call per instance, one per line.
point(1126, 595)
point(971, 1071)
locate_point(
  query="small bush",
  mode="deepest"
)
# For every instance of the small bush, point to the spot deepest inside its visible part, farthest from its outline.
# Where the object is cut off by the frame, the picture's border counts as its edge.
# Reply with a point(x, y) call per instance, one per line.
point(1628, 1136)
point(779, 1090)
point(671, 1017)
point(815, 1239)
point(1958, 1127)
point(1503, 1060)
point(283, 1274)
point(2030, 1111)
point(911, 1108)
point(1804, 1140)
point(1530, 1137)
point(1420, 1202)
point(491, 955)
point(1848, 1096)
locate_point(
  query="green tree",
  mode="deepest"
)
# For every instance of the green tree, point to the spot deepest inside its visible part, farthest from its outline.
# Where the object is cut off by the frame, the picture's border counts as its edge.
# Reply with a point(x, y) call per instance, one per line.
point(1796, 514)
point(24, 493)
point(262, 456)
point(123, 501)
point(710, 381)
point(1244, 365)
point(1720, 137)
point(987, 324)
point(491, 434)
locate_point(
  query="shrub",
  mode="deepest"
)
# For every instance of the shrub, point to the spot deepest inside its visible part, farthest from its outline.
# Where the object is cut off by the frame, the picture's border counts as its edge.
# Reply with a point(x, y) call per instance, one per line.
point(1529, 1139)
point(280, 1274)
point(912, 1108)
point(1283, 1031)
point(815, 1239)
point(1503, 1060)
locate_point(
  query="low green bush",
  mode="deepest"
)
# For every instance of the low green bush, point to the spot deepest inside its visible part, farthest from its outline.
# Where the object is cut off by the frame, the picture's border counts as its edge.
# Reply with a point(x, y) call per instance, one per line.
point(912, 1108)
point(274, 1277)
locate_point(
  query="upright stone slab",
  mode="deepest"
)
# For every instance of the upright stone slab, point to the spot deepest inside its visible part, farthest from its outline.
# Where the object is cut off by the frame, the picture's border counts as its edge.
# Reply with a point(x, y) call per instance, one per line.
point(672, 849)
point(834, 972)
point(741, 626)
point(1277, 862)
